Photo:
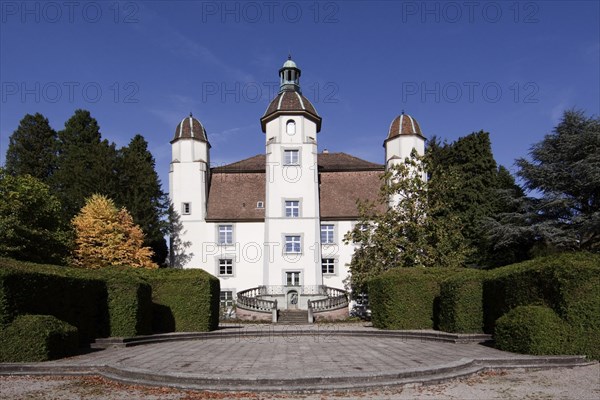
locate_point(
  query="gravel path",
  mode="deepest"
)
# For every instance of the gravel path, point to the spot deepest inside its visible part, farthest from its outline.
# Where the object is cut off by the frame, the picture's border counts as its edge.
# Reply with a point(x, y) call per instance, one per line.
point(563, 383)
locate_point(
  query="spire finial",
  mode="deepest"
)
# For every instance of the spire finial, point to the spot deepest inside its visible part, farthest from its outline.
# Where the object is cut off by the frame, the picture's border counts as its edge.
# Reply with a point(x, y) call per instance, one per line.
point(190, 114)
point(289, 55)
point(403, 111)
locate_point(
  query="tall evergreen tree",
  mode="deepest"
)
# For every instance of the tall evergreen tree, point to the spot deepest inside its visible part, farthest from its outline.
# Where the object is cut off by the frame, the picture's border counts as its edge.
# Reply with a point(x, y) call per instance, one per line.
point(477, 195)
point(140, 192)
point(498, 245)
point(565, 169)
point(86, 163)
point(32, 148)
point(564, 175)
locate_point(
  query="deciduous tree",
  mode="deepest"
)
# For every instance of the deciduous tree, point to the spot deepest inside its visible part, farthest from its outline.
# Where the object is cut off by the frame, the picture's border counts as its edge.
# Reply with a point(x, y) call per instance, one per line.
point(30, 226)
point(417, 231)
point(107, 236)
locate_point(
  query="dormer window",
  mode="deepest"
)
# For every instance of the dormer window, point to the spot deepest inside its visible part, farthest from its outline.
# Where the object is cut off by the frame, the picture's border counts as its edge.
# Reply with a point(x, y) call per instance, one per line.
point(290, 127)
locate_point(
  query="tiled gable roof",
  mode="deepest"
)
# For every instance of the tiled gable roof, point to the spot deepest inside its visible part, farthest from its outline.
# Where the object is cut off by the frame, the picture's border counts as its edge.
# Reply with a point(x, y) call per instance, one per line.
point(339, 192)
point(234, 197)
point(236, 188)
point(325, 161)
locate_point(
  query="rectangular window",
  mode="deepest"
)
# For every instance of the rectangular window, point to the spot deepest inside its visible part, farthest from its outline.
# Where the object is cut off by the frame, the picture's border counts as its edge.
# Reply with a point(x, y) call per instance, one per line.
point(225, 234)
point(292, 244)
point(292, 208)
point(292, 278)
point(186, 208)
point(328, 266)
point(327, 234)
point(226, 298)
point(226, 267)
point(291, 157)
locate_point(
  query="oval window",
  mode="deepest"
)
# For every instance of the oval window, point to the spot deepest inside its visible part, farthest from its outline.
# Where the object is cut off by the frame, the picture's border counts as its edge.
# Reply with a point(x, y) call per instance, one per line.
point(290, 127)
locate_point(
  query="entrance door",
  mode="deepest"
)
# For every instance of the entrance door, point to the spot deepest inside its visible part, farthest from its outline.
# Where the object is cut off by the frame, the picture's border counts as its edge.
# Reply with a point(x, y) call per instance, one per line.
point(292, 300)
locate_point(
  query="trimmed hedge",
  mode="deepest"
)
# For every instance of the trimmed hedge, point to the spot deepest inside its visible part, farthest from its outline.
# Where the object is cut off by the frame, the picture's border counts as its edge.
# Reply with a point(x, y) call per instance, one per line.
point(407, 298)
point(37, 338)
point(461, 302)
point(28, 288)
point(568, 283)
point(183, 300)
point(532, 330)
point(129, 302)
point(100, 303)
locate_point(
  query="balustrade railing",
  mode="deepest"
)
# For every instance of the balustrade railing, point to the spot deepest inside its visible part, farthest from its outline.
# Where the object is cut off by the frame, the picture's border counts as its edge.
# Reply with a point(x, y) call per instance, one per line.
point(336, 298)
point(249, 299)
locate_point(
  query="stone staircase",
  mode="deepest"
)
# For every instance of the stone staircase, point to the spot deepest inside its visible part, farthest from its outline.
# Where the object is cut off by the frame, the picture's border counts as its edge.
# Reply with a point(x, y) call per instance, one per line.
point(293, 317)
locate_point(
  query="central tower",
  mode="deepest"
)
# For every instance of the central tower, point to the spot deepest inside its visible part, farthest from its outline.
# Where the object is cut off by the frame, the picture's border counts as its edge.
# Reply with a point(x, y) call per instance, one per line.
point(292, 221)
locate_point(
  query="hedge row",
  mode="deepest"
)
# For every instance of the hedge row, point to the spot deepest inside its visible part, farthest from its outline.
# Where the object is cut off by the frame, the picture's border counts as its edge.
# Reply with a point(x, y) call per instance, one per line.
point(37, 338)
point(472, 301)
point(107, 302)
point(183, 300)
point(27, 288)
point(407, 298)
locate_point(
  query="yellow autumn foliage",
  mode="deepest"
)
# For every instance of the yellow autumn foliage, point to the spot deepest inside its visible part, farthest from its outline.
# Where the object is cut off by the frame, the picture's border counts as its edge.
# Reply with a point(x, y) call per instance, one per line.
point(107, 236)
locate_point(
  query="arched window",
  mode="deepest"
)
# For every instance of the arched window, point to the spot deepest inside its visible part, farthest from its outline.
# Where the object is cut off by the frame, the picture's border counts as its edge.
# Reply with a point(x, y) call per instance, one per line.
point(290, 127)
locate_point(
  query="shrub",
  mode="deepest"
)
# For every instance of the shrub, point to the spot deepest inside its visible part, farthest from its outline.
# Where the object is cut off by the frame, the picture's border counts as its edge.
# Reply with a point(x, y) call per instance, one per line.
point(407, 298)
point(183, 300)
point(461, 302)
point(37, 338)
point(532, 330)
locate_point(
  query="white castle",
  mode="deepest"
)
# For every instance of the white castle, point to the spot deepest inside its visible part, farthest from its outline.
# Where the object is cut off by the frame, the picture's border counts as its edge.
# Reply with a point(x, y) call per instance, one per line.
point(271, 227)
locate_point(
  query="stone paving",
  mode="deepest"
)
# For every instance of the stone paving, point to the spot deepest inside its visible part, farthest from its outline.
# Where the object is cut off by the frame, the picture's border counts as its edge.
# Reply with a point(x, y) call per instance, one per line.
point(278, 358)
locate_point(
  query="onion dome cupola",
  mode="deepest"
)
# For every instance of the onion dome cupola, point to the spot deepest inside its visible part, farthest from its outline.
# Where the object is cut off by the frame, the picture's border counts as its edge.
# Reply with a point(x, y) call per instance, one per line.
point(403, 125)
point(190, 128)
point(290, 100)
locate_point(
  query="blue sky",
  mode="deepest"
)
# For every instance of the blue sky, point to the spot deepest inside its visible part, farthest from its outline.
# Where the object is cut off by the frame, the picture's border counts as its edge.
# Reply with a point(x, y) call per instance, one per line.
point(506, 67)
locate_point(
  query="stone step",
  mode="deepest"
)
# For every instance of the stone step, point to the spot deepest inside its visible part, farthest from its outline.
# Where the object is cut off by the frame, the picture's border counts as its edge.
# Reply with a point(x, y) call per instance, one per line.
point(293, 317)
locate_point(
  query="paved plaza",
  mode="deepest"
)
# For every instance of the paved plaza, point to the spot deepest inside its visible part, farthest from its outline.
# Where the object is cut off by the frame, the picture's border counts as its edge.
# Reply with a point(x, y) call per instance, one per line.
point(301, 358)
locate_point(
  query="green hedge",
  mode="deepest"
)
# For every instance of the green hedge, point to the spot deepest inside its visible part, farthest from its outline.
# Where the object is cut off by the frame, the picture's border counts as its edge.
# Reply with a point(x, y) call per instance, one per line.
point(568, 283)
point(461, 302)
point(129, 302)
point(407, 298)
point(532, 330)
point(183, 300)
point(100, 303)
point(37, 338)
point(27, 288)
